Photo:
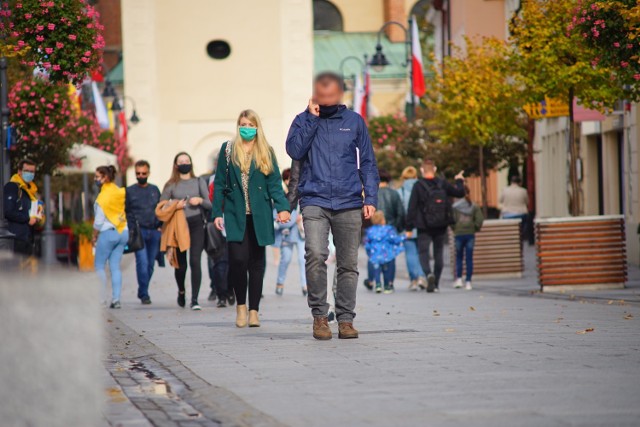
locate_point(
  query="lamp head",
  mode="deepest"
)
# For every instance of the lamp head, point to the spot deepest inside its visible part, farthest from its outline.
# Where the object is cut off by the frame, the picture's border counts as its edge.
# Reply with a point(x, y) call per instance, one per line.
point(134, 118)
point(379, 61)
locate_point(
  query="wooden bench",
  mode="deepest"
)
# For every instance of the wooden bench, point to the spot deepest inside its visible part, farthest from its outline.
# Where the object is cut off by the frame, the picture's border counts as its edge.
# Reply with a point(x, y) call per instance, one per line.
point(581, 253)
point(497, 252)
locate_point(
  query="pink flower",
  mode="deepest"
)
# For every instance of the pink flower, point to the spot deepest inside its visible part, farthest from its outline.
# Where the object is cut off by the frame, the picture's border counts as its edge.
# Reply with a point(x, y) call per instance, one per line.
point(629, 46)
point(39, 27)
point(40, 38)
point(21, 43)
point(616, 44)
point(624, 64)
point(59, 45)
point(85, 59)
point(51, 26)
point(28, 16)
point(48, 50)
point(87, 53)
point(72, 37)
point(636, 76)
point(46, 65)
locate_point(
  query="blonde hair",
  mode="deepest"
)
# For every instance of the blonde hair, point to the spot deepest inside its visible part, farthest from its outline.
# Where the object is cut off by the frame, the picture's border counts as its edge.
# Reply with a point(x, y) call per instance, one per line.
point(378, 218)
point(409, 173)
point(262, 153)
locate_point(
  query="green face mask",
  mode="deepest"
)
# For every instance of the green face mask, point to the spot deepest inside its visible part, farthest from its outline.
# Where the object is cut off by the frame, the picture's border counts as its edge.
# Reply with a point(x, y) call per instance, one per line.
point(248, 133)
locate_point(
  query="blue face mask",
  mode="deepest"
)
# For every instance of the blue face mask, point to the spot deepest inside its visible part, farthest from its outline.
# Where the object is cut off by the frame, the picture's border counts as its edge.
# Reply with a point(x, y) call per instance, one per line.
point(98, 183)
point(28, 176)
point(248, 133)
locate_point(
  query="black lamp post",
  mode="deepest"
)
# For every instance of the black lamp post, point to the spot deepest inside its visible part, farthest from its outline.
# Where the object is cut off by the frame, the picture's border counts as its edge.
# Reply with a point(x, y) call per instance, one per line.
point(379, 60)
point(352, 76)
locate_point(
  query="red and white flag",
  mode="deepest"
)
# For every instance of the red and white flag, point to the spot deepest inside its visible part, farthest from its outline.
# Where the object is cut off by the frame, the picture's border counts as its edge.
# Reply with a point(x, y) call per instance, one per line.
point(361, 92)
point(417, 67)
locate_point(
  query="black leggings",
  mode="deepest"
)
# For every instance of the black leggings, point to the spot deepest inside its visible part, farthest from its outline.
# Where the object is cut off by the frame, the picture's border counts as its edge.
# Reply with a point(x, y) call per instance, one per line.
point(246, 267)
point(196, 233)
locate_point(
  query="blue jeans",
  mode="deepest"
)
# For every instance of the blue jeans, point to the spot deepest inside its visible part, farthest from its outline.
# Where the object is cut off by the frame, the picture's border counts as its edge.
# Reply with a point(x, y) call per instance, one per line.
point(286, 253)
point(387, 270)
point(464, 248)
point(413, 260)
point(110, 247)
point(145, 260)
point(218, 273)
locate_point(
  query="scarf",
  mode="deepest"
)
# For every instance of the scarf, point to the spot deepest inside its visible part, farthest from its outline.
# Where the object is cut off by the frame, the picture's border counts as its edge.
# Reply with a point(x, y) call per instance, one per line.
point(111, 200)
point(328, 110)
point(28, 187)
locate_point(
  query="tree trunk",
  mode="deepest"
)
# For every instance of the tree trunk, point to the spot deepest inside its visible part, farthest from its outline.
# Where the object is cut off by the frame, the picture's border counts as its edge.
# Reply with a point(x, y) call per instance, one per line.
point(483, 181)
point(573, 160)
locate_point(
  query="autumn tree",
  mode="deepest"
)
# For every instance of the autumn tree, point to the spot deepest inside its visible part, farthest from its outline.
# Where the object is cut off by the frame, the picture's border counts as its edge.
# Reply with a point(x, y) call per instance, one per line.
point(554, 61)
point(476, 107)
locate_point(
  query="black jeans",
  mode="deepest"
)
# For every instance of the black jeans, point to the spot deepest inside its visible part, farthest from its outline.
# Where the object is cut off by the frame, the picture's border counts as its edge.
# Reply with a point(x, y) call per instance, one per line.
point(196, 233)
point(218, 273)
point(424, 242)
point(247, 263)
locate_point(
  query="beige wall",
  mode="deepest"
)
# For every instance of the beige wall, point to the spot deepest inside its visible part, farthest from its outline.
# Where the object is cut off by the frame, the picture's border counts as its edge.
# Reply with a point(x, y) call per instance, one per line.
point(361, 15)
point(589, 155)
point(550, 145)
point(477, 18)
point(188, 101)
point(632, 182)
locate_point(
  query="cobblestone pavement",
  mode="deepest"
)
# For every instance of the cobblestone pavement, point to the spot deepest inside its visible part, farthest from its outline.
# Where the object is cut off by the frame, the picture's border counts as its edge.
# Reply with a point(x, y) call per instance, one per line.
point(500, 355)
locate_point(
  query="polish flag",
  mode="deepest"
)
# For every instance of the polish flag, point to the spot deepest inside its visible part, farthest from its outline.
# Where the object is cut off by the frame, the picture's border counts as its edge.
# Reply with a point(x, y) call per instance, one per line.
point(361, 93)
point(123, 129)
point(417, 67)
point(101, 110)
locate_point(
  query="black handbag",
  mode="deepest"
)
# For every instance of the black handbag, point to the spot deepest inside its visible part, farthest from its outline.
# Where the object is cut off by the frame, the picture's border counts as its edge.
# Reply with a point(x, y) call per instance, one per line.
point(215, 243)
point(136, 241)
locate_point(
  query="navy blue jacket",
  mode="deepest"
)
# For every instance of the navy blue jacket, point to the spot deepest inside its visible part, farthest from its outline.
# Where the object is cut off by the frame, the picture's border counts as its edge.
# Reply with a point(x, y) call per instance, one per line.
point(140, 205)
point(327, 149)
point(16, 210)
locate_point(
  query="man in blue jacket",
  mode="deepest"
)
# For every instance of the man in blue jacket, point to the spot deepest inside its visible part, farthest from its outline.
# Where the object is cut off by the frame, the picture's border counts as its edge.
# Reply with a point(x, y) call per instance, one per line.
point(338, 185)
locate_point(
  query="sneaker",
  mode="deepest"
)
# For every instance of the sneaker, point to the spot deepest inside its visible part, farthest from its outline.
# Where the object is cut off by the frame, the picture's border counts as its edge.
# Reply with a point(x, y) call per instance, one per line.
point(212, 295)
point(378, 288)
point(195, 306)
point(388, 289)
point(422, 283)
point(436, 290)
point(305, 292)
point(231, 299)
point(467, 286)
point(321, 329)
point(331, 316)
point(347, 331)
point(367, 284)
point(431, 282)
point(145, 301)
point(221, 303)
point(115, 304)
point(279, 290)
point(181, 299)
point(413, 286)
point(458, 283)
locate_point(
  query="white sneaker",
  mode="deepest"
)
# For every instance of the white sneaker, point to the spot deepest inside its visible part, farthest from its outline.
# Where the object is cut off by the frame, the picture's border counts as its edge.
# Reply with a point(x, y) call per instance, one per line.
point(458, 283)
point(467, 286)
point(413, 286)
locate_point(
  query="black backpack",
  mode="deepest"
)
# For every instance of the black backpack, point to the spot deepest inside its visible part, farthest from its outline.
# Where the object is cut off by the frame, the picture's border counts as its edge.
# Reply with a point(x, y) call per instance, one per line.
point(436, 210)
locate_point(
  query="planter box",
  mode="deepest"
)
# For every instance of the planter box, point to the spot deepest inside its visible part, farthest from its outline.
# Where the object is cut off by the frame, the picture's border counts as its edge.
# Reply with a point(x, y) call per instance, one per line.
point(585, 253)
point(497, 252)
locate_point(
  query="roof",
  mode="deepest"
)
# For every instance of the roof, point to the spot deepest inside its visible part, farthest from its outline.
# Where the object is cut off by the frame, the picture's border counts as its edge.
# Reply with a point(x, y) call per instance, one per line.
point(116, 75)
point(331, 47)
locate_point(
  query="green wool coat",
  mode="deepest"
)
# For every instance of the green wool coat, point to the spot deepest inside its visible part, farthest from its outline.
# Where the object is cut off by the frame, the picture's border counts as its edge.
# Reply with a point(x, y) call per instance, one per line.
point(265, 193)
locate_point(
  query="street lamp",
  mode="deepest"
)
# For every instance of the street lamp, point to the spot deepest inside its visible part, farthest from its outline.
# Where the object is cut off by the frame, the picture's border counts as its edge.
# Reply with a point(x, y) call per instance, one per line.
point(135, 119)
point(109, 91)
point(351, 58)
point(379, 60)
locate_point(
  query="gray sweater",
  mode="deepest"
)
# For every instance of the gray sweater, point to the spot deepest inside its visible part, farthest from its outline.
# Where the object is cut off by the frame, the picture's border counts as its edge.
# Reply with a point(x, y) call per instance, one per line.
point(194, 187)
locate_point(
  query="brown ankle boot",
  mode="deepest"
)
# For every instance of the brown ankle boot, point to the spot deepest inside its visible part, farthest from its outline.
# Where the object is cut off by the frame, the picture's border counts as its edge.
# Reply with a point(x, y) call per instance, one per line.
point(346, 330)
point(254, 320)
point(321, 329)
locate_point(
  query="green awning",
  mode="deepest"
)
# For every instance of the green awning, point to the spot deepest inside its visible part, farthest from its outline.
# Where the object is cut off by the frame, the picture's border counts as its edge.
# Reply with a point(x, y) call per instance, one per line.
point(116, 75)
point(331, 47)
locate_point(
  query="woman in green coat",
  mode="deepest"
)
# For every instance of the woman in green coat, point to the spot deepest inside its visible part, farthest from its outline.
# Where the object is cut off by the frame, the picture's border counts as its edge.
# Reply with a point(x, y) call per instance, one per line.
point(246, 188)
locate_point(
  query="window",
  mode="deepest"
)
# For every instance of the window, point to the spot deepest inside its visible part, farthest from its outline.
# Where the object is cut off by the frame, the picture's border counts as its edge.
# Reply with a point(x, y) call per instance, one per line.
point(326, 17)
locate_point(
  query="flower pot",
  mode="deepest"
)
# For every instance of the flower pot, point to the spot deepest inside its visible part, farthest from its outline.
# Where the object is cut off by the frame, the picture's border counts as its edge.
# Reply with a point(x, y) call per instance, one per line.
point(85, 254)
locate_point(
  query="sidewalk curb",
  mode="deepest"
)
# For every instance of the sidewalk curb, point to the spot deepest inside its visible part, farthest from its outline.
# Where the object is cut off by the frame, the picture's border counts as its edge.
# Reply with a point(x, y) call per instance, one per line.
point(214, 403)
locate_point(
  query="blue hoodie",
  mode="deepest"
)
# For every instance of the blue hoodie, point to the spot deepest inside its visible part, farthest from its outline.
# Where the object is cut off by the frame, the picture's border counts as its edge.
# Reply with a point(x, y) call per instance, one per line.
point(329, 149)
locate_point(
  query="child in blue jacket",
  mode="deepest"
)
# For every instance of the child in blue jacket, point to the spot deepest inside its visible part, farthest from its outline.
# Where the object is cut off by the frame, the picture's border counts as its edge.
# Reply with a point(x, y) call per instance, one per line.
point(383, 245)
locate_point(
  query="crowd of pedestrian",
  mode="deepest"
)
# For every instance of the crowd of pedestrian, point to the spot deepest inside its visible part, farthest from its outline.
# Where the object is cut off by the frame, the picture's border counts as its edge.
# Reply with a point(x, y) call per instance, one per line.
point(316, 209)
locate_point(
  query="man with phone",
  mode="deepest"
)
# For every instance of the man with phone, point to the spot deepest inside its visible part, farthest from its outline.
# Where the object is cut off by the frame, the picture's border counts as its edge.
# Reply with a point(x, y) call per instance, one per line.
point(430, 211)
point(338, 185)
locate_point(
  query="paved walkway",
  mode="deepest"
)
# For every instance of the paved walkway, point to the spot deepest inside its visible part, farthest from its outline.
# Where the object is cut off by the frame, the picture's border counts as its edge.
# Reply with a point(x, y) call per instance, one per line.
point(502, 354)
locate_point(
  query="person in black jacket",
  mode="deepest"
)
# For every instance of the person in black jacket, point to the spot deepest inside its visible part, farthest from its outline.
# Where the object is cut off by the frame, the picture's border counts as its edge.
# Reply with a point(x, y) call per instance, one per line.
point(431, 213)
point(19, 193)
point(140, 206)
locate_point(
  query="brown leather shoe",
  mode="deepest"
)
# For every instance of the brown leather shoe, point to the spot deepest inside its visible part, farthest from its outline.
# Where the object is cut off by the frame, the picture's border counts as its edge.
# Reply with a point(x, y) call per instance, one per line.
point(346, 330)
point(321, 329)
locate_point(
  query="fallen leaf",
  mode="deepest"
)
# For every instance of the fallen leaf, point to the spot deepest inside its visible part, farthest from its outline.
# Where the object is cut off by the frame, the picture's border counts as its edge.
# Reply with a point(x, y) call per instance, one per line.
point(610, 302)
point(628, 317)
point(449, 330)
point(585, 331)
point(472, 308)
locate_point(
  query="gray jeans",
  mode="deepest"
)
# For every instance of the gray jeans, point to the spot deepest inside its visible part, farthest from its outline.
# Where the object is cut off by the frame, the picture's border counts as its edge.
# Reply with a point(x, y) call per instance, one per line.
point(346, 226)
